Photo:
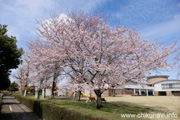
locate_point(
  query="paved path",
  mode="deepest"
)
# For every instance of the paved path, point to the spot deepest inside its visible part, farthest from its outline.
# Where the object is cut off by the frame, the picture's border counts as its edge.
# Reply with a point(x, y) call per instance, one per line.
point(13, 110)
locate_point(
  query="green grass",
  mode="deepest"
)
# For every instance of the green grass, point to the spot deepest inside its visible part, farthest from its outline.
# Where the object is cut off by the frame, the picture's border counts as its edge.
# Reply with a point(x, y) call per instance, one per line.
point(116, 106)
point(111, 107)
point(109, 111)
point(120, 108)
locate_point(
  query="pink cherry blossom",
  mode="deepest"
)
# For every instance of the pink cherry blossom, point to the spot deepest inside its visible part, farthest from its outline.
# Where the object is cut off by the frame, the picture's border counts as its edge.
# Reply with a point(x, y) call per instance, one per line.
point(92, 52)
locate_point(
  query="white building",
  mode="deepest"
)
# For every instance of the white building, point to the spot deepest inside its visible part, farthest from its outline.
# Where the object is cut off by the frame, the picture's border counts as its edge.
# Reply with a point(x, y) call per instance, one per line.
point(155, 86)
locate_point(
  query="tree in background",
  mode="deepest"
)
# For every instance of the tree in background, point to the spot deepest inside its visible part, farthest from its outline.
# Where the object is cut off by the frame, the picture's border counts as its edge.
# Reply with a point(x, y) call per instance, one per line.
point(5, 82)
point(22, 76)
point(45, 64)
point(10, 56)
point(13, 87)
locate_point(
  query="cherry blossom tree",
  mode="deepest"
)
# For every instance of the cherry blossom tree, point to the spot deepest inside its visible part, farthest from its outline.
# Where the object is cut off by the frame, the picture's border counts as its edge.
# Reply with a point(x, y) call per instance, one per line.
point(99, 55)
point(22, 75)
point(19, 77)
point(46, 58)
point(45, 63)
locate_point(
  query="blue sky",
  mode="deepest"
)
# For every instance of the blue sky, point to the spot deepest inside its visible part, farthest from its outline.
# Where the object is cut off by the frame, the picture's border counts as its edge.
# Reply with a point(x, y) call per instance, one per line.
point(157, 20)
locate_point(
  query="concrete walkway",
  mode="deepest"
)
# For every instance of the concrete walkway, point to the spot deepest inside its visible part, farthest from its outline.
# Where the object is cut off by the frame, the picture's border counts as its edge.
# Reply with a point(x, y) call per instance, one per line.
point(13, 110)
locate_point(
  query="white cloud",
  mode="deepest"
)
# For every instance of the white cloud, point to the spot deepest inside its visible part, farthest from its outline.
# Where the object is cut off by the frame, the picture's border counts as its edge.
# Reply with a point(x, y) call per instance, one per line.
point(21, 14)
point(177, 17)
point(179, 4)
point(12, 32)
point(118, 15)
point(162, 29)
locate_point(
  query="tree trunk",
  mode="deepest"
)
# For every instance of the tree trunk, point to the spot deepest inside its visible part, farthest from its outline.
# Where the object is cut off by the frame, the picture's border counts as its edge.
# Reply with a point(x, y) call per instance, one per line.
point(52, 92)
point(66, 93)
point(37, 91)
point(44, 90)
point(37, 94)
point(34, 91)
point(44, 93)
point(99, 102)
point(53, 85)
point(21, 91)
point(25, 91)
point(113, 90)
point(79, 95)
point(98, 95)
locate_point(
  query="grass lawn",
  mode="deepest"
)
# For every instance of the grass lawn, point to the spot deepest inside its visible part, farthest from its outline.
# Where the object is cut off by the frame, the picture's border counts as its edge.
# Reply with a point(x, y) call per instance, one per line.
point(116, 106)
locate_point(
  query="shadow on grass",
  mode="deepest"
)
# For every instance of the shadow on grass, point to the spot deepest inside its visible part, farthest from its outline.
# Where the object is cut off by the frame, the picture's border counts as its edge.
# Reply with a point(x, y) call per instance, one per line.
point(125, 107)
point(112, 107)
point(37, 108)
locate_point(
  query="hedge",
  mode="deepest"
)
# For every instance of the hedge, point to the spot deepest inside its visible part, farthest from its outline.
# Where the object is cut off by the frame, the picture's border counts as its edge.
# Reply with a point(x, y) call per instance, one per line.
point(50, 111)
point(1, 97)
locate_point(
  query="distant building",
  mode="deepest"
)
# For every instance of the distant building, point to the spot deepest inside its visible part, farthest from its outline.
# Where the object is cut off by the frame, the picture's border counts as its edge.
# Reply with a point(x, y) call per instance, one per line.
point(158, 85)
point(155, 86)
point(130, 88)
point(163, 86)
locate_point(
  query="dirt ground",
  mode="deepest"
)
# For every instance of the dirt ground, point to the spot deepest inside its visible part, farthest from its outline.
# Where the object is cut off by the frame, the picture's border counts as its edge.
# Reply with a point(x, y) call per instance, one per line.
point(167, 104)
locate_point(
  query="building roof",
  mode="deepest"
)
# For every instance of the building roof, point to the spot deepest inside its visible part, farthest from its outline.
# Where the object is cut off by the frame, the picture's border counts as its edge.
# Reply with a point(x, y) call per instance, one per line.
point(138, 87)
point(158, 76)
point(167, 80)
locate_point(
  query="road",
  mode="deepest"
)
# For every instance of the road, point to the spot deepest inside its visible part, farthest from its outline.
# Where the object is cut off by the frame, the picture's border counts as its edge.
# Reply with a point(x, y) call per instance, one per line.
point(13, 110)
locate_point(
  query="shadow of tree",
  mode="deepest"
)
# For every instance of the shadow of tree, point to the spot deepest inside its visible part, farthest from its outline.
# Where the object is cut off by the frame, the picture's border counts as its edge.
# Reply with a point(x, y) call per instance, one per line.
point(19, 116)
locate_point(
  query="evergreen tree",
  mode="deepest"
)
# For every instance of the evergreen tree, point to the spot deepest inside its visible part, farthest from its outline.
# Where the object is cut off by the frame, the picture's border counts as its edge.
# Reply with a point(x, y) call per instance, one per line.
point(13, 87)
point(10, 56)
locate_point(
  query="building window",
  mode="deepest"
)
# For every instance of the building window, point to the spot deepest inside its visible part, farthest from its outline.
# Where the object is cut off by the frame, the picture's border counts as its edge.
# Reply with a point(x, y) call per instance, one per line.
point(137, 91)
point(170, 86)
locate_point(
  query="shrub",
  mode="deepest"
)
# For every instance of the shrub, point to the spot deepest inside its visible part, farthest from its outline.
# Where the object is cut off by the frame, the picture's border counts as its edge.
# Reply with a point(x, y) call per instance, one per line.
point(50, 111)
point(1, 96)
